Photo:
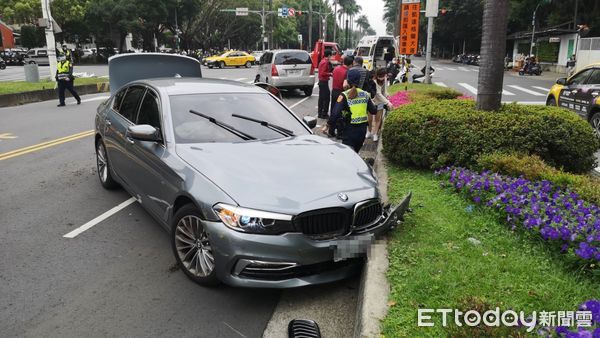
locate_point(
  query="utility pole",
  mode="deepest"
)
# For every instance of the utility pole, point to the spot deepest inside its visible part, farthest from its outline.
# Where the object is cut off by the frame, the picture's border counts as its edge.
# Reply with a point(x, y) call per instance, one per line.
point(176, 30)
point(50, 42)
point(263, 24)
point(431, 12)
point(270, 44)
point(533, 27)
point(310, 23)
point(263, 20)
point(335, 22)
point(575, 15)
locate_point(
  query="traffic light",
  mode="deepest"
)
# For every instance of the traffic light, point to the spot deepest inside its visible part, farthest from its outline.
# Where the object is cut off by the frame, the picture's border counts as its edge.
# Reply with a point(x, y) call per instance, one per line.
point(443, 11)
point(298, 13)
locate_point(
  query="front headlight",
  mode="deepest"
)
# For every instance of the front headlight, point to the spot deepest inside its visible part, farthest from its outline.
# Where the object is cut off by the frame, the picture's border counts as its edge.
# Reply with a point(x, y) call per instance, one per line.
point(253, 221)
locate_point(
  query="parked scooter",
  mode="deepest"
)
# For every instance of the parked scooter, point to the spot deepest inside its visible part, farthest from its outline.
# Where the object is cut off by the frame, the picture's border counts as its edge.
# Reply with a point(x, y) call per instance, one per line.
point(2, 64)
point(417, 77)
point(532, 69)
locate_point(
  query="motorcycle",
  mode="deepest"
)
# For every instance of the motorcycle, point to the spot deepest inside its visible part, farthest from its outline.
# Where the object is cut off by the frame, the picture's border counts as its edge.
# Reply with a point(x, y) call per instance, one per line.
point(533, 69)
point(392, 71)
point(2, 64)
point(416, 77)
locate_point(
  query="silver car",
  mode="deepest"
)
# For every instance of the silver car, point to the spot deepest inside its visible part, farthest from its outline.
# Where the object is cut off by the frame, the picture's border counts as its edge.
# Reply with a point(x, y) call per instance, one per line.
point(287, 69)
point(249, 195)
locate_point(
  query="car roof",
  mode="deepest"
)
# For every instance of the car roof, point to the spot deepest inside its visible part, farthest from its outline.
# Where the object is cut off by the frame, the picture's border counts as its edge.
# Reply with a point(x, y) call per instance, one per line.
point(287, 50)
point(190, 85)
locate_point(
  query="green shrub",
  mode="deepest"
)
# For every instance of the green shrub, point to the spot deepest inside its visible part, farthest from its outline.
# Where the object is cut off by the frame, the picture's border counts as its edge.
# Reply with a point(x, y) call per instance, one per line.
point(420, 91)
point(533, 168)
point(438, 133)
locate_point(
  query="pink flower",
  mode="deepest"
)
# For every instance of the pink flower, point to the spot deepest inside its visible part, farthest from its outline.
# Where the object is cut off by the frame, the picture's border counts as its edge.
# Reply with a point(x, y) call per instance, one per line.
point(400, 98)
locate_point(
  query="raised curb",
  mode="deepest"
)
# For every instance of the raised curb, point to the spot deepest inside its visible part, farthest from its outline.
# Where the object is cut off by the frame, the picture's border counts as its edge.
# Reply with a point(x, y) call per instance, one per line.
point(16, 99)
point(374, 288)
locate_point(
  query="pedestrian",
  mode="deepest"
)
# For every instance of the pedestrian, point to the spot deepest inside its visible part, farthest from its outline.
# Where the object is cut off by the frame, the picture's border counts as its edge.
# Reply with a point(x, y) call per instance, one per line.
point(337, 87)
point(358, 65)
point(353, 104)
point(324, 76)
point(64, 79)
point(381, 101)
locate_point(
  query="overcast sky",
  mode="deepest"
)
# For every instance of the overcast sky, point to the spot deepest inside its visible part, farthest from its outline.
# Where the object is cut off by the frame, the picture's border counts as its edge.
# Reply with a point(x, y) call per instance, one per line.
point(373, 9)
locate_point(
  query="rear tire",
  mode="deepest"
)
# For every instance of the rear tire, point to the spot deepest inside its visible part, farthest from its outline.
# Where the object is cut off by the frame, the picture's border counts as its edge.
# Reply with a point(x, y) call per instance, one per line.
point(308, 91)
point(191, 246)
point(104, 168)
point(2, 66)
point(210, 66)
point(248, 64)
point(221, 64)
point(551, 101)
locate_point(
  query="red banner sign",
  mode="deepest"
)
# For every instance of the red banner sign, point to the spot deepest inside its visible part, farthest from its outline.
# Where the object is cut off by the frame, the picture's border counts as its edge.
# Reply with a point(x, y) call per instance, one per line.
point(409, 26)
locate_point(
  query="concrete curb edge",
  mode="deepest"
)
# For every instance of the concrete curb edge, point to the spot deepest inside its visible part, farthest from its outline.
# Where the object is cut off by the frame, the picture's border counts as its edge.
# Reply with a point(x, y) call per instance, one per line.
point(17, 99)
point(374, 288)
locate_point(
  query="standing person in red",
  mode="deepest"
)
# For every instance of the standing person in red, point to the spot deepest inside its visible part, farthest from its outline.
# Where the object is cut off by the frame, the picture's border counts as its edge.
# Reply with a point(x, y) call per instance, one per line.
point(337, 87)
point(324, 75)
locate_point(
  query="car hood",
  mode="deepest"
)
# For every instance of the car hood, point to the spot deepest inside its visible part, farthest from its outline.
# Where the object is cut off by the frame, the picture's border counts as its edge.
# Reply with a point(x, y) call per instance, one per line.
point(289, 175)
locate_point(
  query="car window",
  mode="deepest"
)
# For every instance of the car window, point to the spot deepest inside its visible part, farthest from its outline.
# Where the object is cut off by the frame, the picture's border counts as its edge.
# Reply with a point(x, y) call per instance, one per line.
point(42, 53)
point(594, 79)
point(363, 51)
point(292, 58)
point(118, 99)
point(149, 112)
point(190, 128)
point(268, 57)
point(579, 78)
point(130, 102)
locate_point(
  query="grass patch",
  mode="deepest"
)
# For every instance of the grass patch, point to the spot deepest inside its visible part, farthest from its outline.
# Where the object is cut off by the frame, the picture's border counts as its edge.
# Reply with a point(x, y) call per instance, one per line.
point(434, 265)
point(22, 86)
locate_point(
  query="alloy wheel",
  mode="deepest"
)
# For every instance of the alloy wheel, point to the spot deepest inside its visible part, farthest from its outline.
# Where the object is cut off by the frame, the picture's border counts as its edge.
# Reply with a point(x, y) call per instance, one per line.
point(193, 247)
point(596, 124)
point(101, 162)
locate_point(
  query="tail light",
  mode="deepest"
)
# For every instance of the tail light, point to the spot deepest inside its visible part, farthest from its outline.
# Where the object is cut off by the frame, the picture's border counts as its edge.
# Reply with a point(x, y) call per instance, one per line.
point(312, 69)
point(274, 70)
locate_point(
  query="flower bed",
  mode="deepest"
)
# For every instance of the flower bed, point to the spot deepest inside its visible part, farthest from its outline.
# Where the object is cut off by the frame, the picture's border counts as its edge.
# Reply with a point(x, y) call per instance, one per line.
point(557, 215)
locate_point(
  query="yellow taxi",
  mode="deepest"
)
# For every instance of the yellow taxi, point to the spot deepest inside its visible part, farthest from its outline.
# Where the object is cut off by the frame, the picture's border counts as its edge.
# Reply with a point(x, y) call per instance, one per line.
point(579, 93)
point(230, 58)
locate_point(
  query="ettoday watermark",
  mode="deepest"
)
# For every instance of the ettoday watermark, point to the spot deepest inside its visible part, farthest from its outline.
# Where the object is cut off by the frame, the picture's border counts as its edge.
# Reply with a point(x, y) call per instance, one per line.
point(508, 318)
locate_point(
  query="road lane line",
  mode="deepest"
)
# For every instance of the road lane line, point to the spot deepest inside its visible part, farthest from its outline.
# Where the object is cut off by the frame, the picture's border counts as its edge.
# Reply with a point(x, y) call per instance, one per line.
point(453, 69)
point(463, 69)
point(468, 87)
point(44, 145)
point(528, 91)
point(545, 90)
point(241, 78)
point(99, 219)
point(506, 92)
point(96, 99)
point(441, 84)
point(535, 103)
point(297, 103)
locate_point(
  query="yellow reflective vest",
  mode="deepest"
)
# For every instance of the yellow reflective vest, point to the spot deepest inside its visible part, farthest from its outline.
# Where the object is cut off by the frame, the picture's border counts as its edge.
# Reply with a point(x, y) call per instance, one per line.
point(358, 106)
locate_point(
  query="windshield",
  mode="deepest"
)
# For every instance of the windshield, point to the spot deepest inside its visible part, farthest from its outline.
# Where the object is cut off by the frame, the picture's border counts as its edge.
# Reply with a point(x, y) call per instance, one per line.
point(363, 51)
point(292, 58)
point(225, 54)
point(190, 128)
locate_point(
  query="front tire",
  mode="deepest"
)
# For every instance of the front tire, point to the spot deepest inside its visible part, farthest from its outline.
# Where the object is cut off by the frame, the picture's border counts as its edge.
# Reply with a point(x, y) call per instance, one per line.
point(308, 91)
point(191, 246)
point(595, 122)
point(104, 168)
point(222, 64)
point(551, 101)
point(248, 64)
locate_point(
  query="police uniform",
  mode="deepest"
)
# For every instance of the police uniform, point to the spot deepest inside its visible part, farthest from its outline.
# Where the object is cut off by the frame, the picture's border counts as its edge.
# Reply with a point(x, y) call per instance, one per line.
point(355, 112)
point(64, 79)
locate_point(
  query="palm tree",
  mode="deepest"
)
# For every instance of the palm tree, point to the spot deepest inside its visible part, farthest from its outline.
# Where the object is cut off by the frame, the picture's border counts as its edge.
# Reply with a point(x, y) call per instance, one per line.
point(363, 23)
point(493, 49)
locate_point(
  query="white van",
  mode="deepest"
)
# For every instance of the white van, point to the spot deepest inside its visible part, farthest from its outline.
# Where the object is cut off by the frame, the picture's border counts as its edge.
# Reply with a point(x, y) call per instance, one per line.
point(38, 56)
point(374, 48)
point(287, 69)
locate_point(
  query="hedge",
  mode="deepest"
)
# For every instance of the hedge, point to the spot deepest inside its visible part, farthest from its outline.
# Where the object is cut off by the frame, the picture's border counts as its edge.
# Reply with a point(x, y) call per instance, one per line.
point(440, 133)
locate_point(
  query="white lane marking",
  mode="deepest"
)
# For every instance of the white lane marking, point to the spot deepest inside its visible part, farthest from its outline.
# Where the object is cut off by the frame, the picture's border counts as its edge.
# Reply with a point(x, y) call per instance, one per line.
point(528, 91)
point(506, 92)
point(535, 103)
point(251, 81)
point(99, 219)
point(441, 84)
point(475, 70)
point(597, 169)
point(241, 78)
point(468, 87)
point(542, 88)
point(297, 103)
point(96, 99)
point(448, 68)
point(463, 69)
point(223, 78)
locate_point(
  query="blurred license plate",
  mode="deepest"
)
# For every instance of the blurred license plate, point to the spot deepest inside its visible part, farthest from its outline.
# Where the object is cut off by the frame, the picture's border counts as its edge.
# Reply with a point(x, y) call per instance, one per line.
point(351, 247)
point(294, 72)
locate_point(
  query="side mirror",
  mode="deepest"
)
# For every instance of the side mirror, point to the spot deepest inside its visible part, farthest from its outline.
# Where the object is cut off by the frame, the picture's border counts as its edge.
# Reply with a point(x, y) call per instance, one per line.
point(271, 89)
point(143, 132)
point(310, 121)
point(561, 81)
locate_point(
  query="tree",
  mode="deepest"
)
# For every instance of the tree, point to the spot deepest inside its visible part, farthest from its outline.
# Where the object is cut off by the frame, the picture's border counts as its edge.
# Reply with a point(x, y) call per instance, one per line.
point(493, 49)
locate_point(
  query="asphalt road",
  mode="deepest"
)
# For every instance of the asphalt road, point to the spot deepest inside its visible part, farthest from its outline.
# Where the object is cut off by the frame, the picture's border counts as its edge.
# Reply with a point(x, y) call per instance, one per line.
point(117, 278)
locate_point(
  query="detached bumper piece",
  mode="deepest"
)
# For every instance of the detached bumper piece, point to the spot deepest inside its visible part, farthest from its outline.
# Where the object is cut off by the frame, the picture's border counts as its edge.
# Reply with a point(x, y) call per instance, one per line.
point(303, 328)
point(281, 271)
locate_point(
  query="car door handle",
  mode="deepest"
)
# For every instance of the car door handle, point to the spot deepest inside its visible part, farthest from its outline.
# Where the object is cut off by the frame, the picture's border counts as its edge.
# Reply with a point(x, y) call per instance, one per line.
point(107, 122)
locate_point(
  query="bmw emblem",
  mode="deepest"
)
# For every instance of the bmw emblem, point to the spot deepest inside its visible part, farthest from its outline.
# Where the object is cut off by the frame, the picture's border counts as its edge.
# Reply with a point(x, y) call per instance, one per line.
point(343, 197)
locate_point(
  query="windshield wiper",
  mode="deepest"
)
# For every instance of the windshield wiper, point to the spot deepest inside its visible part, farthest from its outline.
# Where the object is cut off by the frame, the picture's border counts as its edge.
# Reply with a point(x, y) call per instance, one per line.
point(225, 126)
point(274, 127)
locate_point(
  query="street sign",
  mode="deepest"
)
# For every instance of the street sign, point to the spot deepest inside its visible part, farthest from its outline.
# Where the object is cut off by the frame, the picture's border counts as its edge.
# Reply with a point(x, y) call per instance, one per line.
point(555, 39)
point(291, 12)
point(300, 37)
point(282, 12)
point(431, 11)
point(409, 27)
point(241, 11)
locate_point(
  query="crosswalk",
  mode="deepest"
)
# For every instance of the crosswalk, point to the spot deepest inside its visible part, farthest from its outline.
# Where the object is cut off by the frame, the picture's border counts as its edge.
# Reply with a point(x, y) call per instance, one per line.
point(541, 91)
point(454, 69)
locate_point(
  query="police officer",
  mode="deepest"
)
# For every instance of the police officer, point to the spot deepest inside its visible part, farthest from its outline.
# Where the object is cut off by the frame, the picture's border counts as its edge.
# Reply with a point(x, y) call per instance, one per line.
point(353, 104)
point(67, 53)
point(64, 79)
